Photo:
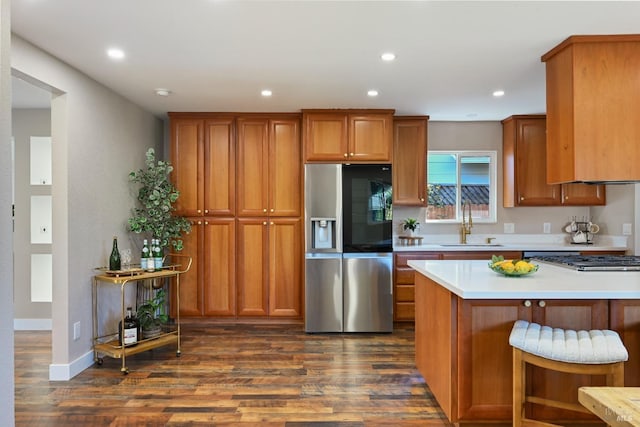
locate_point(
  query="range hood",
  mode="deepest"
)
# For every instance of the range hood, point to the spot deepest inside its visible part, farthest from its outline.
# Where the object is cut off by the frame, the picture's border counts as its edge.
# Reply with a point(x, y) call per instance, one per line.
point(593, 110)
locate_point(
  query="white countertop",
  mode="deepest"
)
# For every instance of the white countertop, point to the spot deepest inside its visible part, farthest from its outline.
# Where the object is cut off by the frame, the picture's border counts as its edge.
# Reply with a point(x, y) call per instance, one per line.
point(512, 242)
point(475, 280)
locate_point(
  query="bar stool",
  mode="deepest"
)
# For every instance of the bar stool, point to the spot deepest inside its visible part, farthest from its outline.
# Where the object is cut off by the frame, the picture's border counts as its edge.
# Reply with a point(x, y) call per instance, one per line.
point(595, 352)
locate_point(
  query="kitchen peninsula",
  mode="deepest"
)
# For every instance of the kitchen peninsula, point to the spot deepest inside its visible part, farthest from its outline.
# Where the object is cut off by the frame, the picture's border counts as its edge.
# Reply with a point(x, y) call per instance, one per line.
point(464, 315)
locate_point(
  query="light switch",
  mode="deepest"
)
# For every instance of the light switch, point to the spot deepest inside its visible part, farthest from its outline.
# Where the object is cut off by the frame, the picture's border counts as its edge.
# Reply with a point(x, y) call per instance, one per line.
point(626, 229)
point(509, 228)
point(546, 227)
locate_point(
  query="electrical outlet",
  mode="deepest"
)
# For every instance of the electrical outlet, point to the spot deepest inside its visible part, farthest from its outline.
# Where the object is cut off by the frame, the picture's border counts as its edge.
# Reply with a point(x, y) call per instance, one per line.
point(546, 227)
point(509, 228)
point(76, 331)
point(626, 229)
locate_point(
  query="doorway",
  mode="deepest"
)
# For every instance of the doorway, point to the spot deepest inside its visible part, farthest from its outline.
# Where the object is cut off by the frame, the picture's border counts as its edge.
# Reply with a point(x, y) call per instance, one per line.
point(32, 201)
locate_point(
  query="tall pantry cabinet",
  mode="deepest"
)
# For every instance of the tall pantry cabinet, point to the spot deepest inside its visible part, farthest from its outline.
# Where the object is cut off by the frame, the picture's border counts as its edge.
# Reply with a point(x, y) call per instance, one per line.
point(240, 183)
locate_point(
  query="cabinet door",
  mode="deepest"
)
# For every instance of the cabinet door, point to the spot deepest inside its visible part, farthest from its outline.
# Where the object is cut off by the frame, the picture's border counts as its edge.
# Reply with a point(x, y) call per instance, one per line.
point(253, 152)
point(191, 282)
point(583, 195)
point(410, 161)
point(285, 267)
point(370, 138)
point(219, 167)
point(285, 168)
point(252, 267)
point(566, 314)
point(531, 170)
point(485, 377)
point(187, 160)
point(624, 318)
point(219, 266)
point(325, 137)
point(481, 255)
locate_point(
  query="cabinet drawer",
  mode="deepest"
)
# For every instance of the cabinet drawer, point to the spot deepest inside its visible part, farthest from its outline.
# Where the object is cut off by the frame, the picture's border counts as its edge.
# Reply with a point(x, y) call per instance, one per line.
point(405, 293)
point(402, 258)
point(405, 276)
point(405, 311)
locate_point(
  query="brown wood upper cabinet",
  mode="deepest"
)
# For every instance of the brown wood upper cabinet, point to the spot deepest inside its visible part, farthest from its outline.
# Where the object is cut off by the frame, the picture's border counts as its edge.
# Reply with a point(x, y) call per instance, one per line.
point(203, 157)
point(269, 167)
point(348, 135)
point(410, 160)
point(593, 109)
point(525, 169)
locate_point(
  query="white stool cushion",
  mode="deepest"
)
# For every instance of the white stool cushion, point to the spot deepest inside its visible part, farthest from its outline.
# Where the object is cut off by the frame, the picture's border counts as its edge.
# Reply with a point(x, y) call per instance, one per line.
point(565, 345)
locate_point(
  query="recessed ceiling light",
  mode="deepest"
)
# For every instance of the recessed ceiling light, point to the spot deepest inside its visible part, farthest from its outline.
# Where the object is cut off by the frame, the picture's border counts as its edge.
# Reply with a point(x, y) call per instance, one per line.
point(266, 92)
point(498, 93)
point(115, 53)
point(162, 91)
point(372, 92)
point(388, 56)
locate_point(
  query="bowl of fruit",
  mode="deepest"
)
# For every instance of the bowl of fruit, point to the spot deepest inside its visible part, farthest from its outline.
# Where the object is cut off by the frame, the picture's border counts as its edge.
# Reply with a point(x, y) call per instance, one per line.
point(512, 267)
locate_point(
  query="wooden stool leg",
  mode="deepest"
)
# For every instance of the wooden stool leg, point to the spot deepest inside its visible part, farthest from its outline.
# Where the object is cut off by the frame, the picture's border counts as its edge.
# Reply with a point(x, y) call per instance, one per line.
point(616, 378)
point(518, 388)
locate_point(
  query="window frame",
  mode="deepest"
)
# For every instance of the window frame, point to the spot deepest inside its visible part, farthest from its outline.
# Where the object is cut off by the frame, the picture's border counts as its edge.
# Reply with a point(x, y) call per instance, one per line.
point(493, 185)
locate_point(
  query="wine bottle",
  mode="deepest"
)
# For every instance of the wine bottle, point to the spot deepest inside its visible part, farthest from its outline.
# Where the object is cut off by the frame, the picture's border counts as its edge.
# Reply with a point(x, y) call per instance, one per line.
point(130, 329)
point(114, 259)
point(157, 254)
point(145, 256)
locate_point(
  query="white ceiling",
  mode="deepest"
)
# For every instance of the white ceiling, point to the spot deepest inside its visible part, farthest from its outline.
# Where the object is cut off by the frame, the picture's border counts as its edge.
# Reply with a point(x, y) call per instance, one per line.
point(217, 55)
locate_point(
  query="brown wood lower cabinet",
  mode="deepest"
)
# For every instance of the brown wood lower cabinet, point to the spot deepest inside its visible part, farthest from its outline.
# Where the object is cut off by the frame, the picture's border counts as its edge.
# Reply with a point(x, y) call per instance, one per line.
point(624, 318)
point(404, 276)
point(209, 289)
point(463, 352)
point(269, 267)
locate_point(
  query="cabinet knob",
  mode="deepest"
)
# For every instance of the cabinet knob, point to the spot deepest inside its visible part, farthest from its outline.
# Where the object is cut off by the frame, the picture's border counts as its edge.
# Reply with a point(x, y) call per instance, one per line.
point(271, 223)
point(264, 210)
point(346, 155)
point(206, 211)
point(541, 303)
point(566, 197)
point(272, 209)
point(422, 199)
point(521, 198)
point(199, 222)
point(527, 303)
point(351, 154)
point(199, 211)
point(264, 223)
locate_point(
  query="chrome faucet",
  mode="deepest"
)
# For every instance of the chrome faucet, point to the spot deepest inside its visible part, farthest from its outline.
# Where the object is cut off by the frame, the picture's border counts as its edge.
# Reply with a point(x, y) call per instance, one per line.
point(466, 226)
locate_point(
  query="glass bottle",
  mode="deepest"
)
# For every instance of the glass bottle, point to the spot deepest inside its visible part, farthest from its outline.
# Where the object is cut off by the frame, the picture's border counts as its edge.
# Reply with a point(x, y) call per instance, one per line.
point(145, 256)
point(157, 254)
point(130, 329)
point(114, 258)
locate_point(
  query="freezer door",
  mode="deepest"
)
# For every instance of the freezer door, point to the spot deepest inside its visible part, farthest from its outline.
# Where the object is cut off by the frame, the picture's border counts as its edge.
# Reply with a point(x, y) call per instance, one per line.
point(323, 293)
point(368, 292)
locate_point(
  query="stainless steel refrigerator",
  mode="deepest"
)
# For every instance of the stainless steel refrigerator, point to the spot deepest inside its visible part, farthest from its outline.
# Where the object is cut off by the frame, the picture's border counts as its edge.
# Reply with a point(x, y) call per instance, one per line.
point(348, 241)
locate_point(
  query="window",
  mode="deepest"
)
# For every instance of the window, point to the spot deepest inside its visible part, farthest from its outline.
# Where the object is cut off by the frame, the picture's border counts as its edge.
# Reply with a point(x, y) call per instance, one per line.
point(455, 177)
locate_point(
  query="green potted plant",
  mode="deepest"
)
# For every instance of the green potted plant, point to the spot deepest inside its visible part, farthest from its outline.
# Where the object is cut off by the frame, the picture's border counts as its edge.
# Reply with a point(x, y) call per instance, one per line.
point(410, 224)
point(156, 196)
point(151, 315)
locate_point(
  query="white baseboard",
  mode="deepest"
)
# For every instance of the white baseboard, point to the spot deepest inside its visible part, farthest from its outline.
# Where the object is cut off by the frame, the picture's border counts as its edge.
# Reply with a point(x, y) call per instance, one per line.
point(32, 324)
point(64, 372)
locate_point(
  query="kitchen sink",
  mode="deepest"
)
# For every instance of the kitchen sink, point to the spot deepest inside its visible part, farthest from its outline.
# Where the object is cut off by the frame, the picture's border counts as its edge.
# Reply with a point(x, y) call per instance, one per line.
point(470, 245)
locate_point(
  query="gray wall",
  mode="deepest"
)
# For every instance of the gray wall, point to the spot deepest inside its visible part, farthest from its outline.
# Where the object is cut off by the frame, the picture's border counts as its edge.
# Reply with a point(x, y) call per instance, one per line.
point(527, 220)
point(27, 123)
point(6, 270)
point(98, 138)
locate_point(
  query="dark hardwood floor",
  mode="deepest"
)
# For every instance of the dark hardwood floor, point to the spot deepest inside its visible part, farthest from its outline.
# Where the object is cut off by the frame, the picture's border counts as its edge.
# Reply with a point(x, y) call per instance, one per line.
point(261, 375)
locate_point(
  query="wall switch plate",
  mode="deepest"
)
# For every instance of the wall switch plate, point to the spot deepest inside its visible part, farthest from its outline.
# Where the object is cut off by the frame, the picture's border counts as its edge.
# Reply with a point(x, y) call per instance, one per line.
point(626, 229)
point(546, 227)
point(76, 331)
point(509, 228)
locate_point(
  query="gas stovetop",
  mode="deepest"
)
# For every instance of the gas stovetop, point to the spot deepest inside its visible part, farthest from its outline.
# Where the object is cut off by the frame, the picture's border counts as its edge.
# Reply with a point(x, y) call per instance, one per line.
point(593, 262)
